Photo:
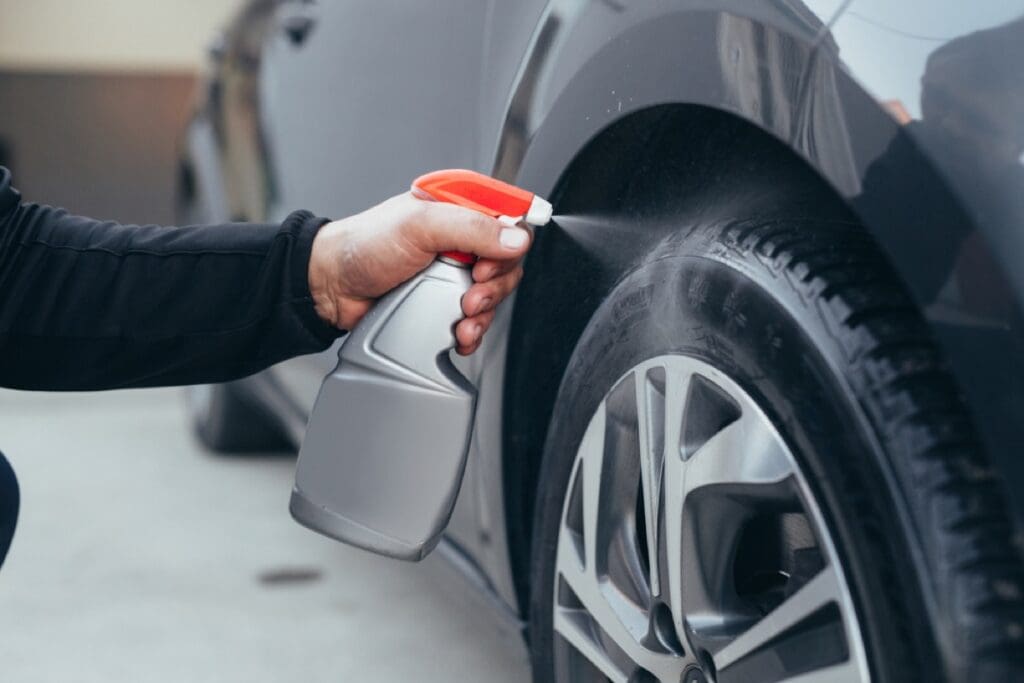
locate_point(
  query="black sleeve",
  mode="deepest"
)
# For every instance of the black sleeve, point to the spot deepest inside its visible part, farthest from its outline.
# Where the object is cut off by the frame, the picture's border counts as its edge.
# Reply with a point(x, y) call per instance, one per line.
point(87, 304)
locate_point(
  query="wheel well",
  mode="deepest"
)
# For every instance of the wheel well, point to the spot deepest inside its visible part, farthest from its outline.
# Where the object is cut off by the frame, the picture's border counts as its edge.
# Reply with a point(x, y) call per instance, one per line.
point(648, 176)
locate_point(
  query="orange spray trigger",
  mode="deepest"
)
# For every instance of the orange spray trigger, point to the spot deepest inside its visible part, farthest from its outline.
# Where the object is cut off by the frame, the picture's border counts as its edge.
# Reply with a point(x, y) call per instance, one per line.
point(484, 194)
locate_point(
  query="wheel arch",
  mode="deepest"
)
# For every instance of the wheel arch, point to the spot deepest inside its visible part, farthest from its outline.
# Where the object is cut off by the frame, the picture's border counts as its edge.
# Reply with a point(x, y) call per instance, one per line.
point(569, 274)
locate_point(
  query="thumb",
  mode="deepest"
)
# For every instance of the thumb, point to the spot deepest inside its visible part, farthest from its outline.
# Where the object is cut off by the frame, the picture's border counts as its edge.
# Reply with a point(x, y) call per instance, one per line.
point(448, 227)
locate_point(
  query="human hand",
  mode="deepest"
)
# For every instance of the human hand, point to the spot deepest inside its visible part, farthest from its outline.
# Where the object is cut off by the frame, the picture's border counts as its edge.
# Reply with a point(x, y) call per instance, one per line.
point(356, 260)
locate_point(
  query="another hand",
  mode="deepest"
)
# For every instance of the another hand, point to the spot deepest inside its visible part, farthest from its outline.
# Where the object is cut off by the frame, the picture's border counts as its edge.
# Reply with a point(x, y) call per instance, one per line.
point(356, 260)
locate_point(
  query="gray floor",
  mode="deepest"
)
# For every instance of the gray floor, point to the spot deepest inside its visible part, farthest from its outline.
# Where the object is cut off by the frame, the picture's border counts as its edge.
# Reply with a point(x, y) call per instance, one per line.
point(140, 558)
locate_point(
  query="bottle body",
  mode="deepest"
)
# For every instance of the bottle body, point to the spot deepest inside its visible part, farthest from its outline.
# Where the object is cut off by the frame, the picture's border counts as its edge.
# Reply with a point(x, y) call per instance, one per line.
point(385, 449)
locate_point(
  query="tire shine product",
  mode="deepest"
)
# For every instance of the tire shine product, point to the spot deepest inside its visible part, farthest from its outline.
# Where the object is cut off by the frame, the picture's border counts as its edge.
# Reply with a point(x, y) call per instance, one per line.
point(386, 445)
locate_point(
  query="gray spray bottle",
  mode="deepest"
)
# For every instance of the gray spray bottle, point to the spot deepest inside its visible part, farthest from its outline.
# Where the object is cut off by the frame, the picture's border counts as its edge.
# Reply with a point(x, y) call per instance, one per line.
point(386, 444)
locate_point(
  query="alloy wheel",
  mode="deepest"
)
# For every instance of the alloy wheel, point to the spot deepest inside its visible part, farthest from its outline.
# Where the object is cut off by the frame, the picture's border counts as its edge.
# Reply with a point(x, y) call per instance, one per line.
point(691, 548)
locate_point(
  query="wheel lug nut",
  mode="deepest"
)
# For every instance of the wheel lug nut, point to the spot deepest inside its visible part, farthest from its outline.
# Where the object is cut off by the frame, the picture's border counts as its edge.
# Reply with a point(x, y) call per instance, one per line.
point(694, 675)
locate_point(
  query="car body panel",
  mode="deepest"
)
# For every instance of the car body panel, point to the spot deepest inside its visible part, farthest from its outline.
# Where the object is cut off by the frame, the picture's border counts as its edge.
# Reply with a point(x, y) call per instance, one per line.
point(403, 66)
point(382, 91)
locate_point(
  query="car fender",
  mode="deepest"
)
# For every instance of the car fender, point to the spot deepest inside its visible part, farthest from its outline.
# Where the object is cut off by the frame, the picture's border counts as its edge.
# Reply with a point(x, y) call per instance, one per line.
point(591, 64)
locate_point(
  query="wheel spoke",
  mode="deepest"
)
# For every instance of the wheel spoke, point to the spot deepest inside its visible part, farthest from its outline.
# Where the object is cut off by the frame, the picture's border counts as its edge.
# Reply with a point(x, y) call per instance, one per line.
point(570, 545)
point(650, 399)
point(676, 385)
point(594, 604)
point(746, 451)
point(591, 461)
point(574, 625)
point(846, 672)
point(823, 589)
point(597, 601)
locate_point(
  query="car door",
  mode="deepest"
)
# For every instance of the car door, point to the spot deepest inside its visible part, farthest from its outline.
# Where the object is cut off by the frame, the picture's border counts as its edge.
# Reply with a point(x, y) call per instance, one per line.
point(357, 98)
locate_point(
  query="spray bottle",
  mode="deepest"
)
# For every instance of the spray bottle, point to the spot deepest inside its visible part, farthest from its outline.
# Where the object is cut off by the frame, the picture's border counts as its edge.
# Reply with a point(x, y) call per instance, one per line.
point(386, 444)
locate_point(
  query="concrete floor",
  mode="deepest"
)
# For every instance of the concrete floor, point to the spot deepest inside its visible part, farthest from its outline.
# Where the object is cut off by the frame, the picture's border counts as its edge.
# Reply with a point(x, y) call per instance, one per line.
point(141, 558)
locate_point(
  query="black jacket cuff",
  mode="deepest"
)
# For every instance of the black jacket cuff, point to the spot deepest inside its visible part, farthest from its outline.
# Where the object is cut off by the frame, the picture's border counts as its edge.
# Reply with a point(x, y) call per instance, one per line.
point(303, 227)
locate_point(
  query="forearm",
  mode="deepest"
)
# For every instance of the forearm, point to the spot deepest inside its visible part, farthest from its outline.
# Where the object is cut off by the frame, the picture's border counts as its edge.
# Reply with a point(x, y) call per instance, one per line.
point(87, 304)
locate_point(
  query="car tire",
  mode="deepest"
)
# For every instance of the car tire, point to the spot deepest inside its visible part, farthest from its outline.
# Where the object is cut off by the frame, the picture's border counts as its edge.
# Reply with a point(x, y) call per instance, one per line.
point(227, 420)
point(806, 318)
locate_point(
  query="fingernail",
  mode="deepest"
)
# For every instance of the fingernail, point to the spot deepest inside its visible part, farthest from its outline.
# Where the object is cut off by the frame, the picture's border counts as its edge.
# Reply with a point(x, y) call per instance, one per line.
point(513, 238)
point(484, 304)
point(478, 329)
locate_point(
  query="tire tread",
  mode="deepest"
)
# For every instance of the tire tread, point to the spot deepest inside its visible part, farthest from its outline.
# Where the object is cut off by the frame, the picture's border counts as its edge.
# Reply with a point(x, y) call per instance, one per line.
point(960, 513)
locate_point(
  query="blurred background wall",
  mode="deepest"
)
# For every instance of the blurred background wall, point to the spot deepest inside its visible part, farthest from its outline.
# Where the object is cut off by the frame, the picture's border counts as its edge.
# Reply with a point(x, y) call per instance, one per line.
point(94, 95)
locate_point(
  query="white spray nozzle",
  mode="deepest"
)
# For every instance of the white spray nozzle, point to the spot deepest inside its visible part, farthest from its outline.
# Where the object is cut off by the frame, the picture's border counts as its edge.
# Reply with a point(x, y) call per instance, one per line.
point(539, 212)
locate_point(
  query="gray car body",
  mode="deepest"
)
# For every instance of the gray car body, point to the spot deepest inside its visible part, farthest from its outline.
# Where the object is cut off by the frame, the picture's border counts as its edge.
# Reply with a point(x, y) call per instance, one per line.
point(332, 106)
